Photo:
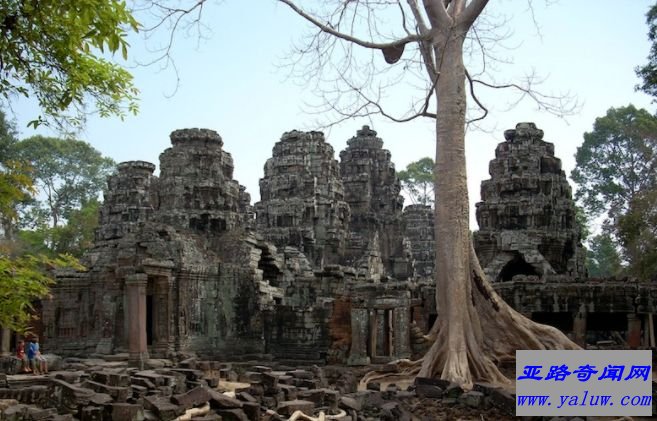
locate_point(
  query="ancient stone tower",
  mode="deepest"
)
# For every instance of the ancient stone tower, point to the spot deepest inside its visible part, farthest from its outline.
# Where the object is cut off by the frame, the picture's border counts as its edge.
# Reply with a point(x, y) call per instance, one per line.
point(127, 201)
point(196, 187)
point(302, 198)
point(372, 191)
point(526, 215)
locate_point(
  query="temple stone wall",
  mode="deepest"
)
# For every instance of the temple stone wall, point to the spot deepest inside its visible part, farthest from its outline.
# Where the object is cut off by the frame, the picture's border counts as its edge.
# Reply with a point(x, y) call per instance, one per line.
point(526, 216)
point(302, 199)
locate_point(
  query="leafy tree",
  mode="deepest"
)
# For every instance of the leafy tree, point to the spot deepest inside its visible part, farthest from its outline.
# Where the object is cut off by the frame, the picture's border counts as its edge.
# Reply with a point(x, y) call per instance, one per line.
point(417, 181)
point(603, 259)
point(74, 238)
point(23, 280)
point(638, 234)
point(476, 327)
point(68, 173)
point(52, 50)
point(16, 183)
point(648, 72)
point(617, 160)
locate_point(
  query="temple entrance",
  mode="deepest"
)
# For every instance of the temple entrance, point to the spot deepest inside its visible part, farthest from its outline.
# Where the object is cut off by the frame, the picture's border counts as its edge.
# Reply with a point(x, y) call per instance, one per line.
point(149, 319)
point(561, 320)
point(380, 346)
point(516, 266)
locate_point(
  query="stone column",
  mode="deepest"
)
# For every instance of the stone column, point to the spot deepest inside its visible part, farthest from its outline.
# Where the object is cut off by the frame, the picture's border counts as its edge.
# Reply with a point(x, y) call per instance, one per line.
point(373, 332)
point(579, 328)
point(402, 336)
point(5, 339)
point(161, 316)
point(135, 289)
point(633, 331)
point(359, 337)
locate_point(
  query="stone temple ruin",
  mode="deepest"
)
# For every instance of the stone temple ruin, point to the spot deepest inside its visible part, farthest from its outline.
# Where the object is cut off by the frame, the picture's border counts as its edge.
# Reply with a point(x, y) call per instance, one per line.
point(328, 266)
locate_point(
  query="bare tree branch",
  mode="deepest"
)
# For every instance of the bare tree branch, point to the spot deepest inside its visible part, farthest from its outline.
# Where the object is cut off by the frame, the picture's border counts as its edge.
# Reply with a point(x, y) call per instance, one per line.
point(367, 44)
point(471, 12)
point(474, 97)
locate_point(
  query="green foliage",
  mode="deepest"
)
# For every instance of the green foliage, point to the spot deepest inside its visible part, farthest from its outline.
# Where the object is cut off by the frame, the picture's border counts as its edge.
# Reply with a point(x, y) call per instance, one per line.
point(74, 238)
point(617, 160)
point(22, 281)
point(583, 221)
point(638, 234)
point(51, 50)
point(16, 183)
point(68, 173)
point(648, 72)
point(418, 180)
point(603, 259)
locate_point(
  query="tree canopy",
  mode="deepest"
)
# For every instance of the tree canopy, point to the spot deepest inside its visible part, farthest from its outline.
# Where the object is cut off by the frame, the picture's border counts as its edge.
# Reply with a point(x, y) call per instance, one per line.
point(417, 181)
point(617, 160)
point(68, 173)
point(648, 72)
point(53, 51)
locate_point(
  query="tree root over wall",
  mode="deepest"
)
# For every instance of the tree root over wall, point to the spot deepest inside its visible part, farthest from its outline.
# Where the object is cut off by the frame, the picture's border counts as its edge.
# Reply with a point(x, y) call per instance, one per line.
point(487, 332)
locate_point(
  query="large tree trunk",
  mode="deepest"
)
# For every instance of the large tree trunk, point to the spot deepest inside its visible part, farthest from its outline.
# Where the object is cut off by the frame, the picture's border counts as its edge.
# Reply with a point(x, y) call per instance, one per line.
point(475, 329)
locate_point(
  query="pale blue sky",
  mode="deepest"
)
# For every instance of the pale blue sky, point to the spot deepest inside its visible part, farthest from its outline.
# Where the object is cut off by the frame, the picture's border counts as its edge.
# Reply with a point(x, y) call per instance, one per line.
point(230, 82)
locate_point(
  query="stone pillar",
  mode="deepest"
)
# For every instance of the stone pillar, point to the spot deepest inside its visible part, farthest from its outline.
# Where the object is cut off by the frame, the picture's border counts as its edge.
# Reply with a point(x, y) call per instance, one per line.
point(579, 327)
point(5, 340)
point(402, 326)
point(161, 316)
point(359, 337)
point(373, 330)
point(135, 289)
point(633, 331)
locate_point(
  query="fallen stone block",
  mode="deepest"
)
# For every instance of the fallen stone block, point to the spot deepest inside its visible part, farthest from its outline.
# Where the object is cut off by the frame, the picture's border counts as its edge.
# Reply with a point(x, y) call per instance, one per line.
point(126, 411)
point(162, 407)
point(91, 413)
point(290, 392)
point(288, 408)
point(252, 411)
point(430, 388)
point(251, 377)
point(347, 402)
point(192, 398)
point(269, 383)
point(503, 400)
point(143, 382)
point(300, 374)
point(111, 379)
point(232, 415)
point(221, 401)
point(120, 394)
point(38, 414)
point(472, 399)
point(190, 374)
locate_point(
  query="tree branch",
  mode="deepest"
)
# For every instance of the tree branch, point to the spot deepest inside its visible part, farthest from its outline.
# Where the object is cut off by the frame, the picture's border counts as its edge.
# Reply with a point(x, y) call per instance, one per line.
point(367, 44)
point(471, 12)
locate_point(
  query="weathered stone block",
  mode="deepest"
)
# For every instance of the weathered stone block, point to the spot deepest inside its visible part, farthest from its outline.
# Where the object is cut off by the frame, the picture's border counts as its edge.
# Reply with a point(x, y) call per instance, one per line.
point(232, 415)
point(162, 407)
point(192, 398)
point(127, 412)
point(287, 408)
